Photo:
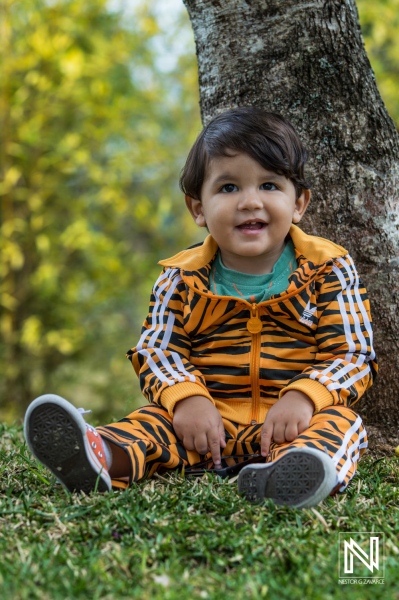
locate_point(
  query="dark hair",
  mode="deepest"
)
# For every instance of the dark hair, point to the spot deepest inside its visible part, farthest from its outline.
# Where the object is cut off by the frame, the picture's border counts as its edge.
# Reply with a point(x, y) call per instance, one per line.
point(268, 138)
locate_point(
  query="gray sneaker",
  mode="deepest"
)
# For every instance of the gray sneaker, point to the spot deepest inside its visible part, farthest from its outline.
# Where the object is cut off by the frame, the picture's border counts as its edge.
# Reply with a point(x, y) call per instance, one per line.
point(59, 437)
point(301, 478)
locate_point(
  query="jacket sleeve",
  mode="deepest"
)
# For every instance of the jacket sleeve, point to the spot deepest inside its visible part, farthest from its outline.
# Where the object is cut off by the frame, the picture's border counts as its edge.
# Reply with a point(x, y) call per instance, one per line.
point(161, 358)
point(345, 363)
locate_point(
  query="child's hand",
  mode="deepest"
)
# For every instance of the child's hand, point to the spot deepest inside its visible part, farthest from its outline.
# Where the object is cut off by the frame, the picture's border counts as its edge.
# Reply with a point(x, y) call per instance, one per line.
point(199, 426)
point(286, 419)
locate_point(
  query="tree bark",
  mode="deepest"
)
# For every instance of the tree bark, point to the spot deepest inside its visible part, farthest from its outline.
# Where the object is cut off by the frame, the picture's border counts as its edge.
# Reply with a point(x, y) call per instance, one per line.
point(307, 61)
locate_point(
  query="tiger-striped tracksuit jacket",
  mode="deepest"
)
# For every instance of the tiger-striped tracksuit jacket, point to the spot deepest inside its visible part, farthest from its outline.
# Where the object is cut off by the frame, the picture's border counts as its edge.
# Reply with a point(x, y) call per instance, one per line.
point(315, 337)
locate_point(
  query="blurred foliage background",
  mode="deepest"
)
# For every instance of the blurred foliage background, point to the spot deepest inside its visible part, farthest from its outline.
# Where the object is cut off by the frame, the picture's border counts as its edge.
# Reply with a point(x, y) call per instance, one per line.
point(98, 108)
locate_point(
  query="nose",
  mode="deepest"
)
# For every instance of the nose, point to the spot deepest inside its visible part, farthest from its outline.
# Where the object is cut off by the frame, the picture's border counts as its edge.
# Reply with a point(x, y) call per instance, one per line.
point(250, 200)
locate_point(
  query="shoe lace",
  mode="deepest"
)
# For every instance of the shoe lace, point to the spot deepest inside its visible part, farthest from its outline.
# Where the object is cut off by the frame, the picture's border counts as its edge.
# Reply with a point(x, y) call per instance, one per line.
point(83, 411)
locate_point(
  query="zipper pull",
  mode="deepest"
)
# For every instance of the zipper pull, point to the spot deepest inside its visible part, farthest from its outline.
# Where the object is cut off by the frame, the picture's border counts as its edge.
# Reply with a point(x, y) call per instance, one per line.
point(254, 324)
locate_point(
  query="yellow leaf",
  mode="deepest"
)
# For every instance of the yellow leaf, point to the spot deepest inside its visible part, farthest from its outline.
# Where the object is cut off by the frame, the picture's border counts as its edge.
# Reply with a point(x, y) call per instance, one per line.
point(11, 226)
point(12, 254)
point(73, 63)
point(31, 333)
point(11, 177)
point(8, 301)
point(43, 243)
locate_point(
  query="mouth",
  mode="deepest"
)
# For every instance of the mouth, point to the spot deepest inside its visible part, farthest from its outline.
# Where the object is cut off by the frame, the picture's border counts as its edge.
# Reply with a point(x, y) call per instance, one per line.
point(253, 225)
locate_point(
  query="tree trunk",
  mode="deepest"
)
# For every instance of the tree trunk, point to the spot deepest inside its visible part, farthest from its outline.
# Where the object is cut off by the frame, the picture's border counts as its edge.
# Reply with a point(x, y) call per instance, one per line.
point(306, 60)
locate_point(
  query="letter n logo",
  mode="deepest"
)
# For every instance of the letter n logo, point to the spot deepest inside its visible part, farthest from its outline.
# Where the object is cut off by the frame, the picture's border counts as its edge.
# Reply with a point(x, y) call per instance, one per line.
point(370, 560)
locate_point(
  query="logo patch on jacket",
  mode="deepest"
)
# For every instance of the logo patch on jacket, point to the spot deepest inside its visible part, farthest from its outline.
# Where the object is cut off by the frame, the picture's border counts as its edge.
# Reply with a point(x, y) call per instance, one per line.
point(308, 315)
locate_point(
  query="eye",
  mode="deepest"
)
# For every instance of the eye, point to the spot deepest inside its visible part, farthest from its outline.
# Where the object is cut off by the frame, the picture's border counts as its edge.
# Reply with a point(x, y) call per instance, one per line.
point(268, 186)
point(228, 188)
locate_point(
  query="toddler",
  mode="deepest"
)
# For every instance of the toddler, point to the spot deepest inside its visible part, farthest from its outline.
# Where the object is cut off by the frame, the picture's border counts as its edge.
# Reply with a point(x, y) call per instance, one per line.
point(257, 341)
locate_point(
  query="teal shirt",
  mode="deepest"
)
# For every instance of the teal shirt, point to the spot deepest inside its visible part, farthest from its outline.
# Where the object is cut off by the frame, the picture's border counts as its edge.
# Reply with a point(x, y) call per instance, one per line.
point(253, 288)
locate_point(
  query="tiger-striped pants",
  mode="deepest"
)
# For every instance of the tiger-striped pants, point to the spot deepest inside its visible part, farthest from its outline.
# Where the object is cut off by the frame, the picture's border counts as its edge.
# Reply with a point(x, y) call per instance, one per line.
point(148, 438)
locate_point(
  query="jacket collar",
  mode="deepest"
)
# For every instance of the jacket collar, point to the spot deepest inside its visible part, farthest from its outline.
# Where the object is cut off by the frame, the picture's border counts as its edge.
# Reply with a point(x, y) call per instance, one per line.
point(310, 247)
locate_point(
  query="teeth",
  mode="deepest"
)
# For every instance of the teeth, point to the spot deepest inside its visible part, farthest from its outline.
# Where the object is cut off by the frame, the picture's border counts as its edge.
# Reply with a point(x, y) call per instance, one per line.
point(252, 223)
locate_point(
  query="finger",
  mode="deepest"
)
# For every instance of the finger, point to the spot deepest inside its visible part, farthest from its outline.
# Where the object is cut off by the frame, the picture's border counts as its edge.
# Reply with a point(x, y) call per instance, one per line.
point(279, 433)
point(188, 442)
point(266, 438)
point(302, 425)
point(291, 432)
point(201, 443)
point(222, 436)
point(214, 447)
point(179, 435)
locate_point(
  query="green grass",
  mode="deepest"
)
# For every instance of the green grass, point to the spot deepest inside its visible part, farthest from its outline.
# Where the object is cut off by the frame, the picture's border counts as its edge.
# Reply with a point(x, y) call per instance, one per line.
point(174, 539)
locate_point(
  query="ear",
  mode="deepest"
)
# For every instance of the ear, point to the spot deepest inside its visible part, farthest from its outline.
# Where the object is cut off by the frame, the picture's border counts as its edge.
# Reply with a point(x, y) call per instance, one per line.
point(301, 205)
point(196, 210)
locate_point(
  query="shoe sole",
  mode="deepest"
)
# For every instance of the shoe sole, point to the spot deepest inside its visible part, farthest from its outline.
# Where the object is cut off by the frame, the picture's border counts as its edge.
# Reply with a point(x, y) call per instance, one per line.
point(56, 435)
point(301, 478)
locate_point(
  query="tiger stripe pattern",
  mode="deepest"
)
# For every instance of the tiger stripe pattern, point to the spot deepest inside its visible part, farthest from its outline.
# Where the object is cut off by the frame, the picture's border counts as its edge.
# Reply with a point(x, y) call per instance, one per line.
point(316, 337)
point(148, 438)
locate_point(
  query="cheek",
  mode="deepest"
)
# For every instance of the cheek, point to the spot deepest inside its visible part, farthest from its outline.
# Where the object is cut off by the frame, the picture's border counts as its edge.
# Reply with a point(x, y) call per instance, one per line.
point(215, 215)
point(282, 211)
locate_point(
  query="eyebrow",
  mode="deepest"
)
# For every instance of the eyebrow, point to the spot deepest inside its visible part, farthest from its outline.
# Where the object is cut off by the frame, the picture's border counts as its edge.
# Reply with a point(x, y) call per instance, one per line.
point(223, 177)
point(231, 177)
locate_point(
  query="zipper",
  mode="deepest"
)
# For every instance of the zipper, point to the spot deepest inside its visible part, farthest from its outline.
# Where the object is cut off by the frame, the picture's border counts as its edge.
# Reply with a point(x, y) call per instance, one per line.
point(254, 326)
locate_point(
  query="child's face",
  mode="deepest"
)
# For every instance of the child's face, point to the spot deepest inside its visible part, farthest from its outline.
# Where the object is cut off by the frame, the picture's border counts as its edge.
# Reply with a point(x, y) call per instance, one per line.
point(248, 211)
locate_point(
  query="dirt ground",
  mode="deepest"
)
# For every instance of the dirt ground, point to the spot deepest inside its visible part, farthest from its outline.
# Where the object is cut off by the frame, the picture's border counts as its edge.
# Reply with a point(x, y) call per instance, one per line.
point(382, 443)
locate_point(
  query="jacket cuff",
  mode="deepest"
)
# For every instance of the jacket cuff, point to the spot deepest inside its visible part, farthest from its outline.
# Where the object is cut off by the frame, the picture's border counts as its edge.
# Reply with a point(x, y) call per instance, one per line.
point(174, 393)
point(317, 392)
